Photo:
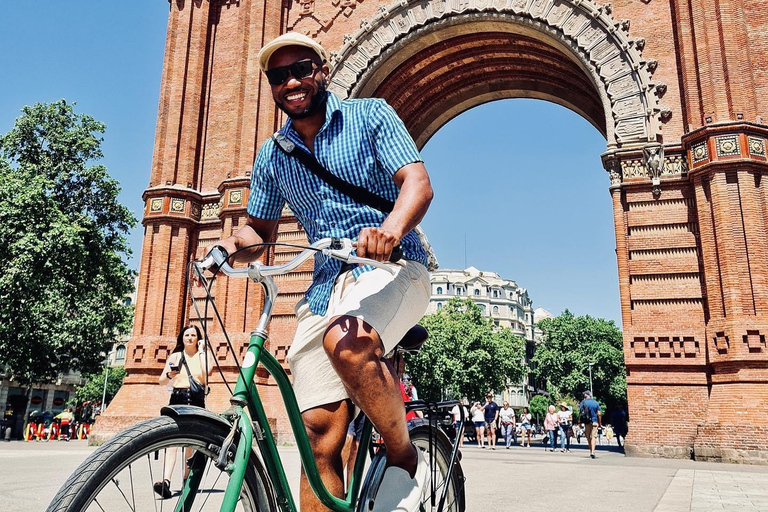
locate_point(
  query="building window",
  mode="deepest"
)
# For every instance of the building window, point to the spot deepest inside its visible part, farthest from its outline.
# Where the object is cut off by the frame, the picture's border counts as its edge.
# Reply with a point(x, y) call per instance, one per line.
point(120, 353)
point(495, 293)
point(482, 308)
point(495, 310)
point(439, 305)
point(127, 301)
point(439, 290)
point(477, 292)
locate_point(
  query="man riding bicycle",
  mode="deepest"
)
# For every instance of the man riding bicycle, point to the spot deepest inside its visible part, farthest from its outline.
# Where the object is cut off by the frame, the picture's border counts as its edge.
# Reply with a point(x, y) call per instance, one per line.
point(350, 317)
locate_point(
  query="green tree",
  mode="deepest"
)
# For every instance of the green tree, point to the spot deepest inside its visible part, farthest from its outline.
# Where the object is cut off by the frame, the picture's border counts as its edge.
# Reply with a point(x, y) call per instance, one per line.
point(538, 406)
point(571, 343)
point(465, 355)
point(62, 231)
point(93, 389)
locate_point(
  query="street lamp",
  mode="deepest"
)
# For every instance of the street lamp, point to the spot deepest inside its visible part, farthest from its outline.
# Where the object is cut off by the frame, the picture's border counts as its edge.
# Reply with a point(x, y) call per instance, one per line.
point(106, 377)
point(590, 379)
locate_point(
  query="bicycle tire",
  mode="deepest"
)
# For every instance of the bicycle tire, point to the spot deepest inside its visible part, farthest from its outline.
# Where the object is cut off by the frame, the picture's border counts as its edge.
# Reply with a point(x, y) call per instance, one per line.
point(420, 437)
point(116, 457)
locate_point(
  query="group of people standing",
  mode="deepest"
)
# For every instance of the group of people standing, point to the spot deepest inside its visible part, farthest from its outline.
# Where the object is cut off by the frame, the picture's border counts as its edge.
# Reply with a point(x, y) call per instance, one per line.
point(486, 416)
point(558, 424)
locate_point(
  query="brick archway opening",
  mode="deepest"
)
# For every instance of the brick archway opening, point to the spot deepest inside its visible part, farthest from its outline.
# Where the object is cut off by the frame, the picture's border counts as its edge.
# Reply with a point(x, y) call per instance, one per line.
point(443, 70)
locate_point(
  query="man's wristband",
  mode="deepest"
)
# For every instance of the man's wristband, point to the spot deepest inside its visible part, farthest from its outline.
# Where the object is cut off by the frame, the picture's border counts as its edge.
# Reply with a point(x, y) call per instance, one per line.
point(168, 375)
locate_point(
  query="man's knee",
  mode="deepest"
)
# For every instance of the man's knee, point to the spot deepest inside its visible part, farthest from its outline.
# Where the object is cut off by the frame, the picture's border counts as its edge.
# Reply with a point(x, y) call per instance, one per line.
point(350, 342)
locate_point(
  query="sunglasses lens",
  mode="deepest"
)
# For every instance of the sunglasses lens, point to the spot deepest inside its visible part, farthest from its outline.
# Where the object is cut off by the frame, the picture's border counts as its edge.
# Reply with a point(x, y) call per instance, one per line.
point(298, 70)
point(301, 69)
point(277, 76)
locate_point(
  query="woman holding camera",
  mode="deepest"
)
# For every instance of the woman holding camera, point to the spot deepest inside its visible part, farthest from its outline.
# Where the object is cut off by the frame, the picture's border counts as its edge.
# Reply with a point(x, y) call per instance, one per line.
point(186, 373)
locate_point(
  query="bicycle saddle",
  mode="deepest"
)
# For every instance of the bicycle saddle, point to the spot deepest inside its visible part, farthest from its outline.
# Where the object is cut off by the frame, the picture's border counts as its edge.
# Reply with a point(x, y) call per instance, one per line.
point(413, 339)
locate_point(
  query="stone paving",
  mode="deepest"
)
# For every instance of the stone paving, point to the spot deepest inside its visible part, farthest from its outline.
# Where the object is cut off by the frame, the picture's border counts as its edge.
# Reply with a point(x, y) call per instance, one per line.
point(531, 478)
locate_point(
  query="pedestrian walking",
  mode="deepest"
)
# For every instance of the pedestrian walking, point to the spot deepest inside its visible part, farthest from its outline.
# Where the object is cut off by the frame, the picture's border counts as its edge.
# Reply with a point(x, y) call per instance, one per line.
point(564, 422)
point(525, 427)
point(550, 425)
point(507, 417)
point(478, 420)
point(186, 374)
point(589, 411)
point(456, 413)
point(491, 411)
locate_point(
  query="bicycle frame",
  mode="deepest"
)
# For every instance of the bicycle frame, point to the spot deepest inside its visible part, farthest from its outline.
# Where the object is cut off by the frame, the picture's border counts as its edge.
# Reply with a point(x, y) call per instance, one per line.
point(246, 396)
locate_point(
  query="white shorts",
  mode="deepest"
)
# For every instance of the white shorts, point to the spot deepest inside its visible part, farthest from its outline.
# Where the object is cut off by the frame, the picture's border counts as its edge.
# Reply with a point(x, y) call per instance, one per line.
point(391, 304)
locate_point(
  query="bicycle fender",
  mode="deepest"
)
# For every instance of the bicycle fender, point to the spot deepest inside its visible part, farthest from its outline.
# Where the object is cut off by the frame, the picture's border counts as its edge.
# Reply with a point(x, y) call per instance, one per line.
point(175, 411)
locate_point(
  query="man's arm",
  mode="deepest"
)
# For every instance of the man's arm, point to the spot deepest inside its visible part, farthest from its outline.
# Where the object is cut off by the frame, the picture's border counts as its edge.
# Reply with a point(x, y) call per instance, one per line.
point(255, 231)
point(412, 203)
point(599, 418)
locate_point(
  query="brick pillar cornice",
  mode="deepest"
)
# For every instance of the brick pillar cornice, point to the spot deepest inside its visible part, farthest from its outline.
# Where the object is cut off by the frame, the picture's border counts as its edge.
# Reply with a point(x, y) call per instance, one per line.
point(234, 195)
point(179, 205)
point(726, 146)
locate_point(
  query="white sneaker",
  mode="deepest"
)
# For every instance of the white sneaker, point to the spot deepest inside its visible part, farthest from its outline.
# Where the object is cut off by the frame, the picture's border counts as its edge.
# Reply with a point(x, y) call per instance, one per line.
point(401, 493)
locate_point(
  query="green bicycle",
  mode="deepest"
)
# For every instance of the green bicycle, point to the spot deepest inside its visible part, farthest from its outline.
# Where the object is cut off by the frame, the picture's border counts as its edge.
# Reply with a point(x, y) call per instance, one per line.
point(223, 469)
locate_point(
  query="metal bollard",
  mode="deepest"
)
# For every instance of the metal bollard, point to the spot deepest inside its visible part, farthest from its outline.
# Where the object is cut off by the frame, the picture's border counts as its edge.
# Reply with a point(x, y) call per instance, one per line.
point(8, 431)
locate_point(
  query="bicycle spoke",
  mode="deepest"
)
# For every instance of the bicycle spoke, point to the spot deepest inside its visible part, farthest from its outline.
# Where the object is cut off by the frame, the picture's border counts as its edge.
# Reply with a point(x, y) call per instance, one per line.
point(117, 485)
point(133, 495)
point(151, 479)
point(213, 486)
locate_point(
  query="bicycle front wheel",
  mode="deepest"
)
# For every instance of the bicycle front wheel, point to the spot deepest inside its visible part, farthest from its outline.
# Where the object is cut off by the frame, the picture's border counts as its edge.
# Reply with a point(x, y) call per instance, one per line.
point(436, 447)
point(128, 472)
point(437, 450)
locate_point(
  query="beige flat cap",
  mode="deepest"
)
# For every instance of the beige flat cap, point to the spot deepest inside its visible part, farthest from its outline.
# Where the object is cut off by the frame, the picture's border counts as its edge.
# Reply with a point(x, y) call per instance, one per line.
point(289, 39)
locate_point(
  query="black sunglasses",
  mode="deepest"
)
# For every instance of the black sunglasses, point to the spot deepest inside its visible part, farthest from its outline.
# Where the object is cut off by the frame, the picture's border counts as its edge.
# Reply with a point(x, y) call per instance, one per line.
point(298, 70)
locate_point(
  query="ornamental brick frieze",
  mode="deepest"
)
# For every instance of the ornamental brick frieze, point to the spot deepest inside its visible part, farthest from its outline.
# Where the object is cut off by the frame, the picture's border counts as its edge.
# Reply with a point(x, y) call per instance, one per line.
point(654, 164)
point(738, 341)
point(311, 21)
point(727, 144)
point(601, 43)
point(679, 347)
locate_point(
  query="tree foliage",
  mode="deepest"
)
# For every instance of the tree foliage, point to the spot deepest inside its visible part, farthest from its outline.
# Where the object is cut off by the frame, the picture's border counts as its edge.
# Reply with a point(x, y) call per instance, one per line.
point(538, 406)
point(93, 389)
point(62, 231)
point(465, 355)
point(571, 343)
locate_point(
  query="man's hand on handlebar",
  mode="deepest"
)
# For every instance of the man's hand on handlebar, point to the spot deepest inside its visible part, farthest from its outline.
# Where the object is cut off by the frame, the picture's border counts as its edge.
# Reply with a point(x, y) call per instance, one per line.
point(376, 244)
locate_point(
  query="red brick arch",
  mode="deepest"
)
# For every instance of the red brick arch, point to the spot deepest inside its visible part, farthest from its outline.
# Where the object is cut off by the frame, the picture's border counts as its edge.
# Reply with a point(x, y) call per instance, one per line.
point(679, 89)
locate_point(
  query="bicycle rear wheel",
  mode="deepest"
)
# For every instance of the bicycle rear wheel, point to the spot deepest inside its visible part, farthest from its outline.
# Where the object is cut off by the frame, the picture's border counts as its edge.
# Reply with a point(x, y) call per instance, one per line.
point(120, 475)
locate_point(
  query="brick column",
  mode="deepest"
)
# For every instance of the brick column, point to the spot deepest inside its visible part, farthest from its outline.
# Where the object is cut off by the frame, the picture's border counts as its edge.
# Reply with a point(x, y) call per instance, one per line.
point(728, 173)
point(661, 303)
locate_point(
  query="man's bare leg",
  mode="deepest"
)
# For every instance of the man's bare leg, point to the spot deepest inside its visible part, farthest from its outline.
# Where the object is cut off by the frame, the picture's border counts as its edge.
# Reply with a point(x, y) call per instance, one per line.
point(355, 350)
point(327, 430)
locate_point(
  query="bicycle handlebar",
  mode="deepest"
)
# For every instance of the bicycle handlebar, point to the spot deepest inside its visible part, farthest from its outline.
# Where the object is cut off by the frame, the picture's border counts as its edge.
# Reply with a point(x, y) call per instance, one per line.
point(341, 249)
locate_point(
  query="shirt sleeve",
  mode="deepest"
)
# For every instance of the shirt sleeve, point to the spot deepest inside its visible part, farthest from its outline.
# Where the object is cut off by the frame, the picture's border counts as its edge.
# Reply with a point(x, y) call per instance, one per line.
point(265, 200)
point(393, 144)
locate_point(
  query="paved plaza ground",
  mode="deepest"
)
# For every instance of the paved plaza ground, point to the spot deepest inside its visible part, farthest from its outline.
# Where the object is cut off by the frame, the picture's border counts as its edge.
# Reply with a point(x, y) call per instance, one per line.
point(531, 479)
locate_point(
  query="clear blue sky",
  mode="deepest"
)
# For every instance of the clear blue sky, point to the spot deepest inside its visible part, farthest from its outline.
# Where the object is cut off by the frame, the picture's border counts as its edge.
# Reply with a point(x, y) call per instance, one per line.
point(520, 180)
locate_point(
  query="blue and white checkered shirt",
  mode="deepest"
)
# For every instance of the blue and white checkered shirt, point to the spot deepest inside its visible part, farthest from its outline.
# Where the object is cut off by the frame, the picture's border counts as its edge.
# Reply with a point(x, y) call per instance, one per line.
point(363, 142)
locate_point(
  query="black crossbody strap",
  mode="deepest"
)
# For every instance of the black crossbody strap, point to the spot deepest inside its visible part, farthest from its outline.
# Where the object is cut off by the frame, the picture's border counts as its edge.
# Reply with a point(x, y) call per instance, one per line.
point(359, 194)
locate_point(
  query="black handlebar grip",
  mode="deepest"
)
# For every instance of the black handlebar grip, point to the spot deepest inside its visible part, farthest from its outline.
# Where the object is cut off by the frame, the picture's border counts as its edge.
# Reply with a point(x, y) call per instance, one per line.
point(397, 254)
